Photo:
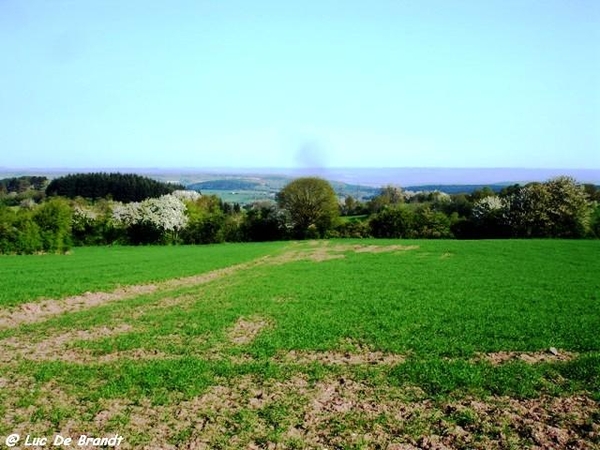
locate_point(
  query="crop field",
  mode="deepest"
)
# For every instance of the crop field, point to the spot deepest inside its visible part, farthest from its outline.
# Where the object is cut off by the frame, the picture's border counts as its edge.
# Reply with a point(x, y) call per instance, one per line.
point(391, 344)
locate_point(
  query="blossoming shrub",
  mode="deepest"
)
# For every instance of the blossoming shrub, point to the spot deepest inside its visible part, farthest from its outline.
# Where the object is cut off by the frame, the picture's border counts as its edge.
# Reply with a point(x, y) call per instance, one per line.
point(154, 220)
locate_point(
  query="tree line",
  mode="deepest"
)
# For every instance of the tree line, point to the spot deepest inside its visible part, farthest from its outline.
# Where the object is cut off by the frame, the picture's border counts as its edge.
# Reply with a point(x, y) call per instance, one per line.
point(305, 208)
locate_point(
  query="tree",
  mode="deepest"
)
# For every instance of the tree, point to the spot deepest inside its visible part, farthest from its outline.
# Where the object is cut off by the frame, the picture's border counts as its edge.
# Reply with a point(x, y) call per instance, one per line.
point(389, 196)
point(152, 220)
point(569, 209)
point(210, 220)
point(479, 194)
point(556, 208)
point(264, 221)
point(394, 222)
point(527, 214)
point(54, 219)
point(431, 224)
point(490, 217)
point(595, 222)
point(120, 187)
point(312, 204)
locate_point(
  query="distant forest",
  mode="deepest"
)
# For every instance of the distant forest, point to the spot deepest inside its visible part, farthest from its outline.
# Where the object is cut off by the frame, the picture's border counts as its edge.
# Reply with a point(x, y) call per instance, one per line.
point(120, 187)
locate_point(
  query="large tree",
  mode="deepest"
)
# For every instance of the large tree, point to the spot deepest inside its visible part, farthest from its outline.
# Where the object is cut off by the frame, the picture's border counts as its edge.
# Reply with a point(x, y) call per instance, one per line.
point(556, 208)
point(312, 204)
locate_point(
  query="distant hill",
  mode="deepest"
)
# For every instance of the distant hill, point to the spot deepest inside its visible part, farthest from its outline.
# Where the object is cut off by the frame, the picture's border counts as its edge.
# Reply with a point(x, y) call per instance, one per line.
point(225, 185)
point(456, 188)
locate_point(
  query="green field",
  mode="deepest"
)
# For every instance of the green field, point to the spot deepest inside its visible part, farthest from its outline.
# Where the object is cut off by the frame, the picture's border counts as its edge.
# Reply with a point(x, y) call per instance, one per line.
point(325, 344)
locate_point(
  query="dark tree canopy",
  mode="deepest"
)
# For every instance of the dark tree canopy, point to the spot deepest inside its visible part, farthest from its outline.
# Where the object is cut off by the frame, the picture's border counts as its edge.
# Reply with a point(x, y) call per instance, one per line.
point(312, 204)
point(120, 187)
point(21, 184)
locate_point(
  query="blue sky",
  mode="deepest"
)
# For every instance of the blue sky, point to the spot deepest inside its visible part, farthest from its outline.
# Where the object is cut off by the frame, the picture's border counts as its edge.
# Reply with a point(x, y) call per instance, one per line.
point(281, 84)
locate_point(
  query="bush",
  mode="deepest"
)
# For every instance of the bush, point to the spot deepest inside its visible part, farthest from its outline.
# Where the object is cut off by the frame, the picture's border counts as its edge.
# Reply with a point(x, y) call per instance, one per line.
point(431, 224)
point(393, 222)
point(54, 221)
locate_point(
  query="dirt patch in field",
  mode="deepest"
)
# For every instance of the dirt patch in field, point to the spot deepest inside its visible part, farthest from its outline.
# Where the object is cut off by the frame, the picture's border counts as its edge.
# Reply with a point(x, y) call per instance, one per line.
point(382, 248)
point(245, 330)
point(552, 355)
point(319, 251)
point(56, 348)
point(340, 411)
point(546, 422)
point(363, 356)
point(334, 412)
point(316, 255)
point(39, 311)
point(33, 416)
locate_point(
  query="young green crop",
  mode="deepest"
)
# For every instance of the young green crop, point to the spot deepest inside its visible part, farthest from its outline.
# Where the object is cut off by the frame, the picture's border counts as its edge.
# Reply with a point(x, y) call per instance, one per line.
point(270, 341)
point(27, 278)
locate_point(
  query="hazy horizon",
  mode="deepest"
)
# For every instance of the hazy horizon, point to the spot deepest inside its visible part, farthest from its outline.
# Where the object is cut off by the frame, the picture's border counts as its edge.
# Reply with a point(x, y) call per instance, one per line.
point(403, 176)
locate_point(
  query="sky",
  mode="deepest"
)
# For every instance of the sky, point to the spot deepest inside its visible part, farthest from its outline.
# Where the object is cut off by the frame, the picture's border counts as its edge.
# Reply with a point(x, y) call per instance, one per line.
point(243, 84)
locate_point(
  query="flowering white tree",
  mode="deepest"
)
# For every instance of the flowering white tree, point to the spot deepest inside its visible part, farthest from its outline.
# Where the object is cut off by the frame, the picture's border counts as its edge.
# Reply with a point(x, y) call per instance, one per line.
point(166, 214)
point(190, 196)
point(489, 206)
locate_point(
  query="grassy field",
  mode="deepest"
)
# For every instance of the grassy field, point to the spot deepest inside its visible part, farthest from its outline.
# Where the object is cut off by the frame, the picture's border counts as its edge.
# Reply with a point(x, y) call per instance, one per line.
point(324, 344)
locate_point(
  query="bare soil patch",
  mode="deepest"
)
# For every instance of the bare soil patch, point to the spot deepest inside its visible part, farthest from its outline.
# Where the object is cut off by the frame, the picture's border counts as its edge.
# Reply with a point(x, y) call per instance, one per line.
point(383, 248)
point(55, 348)
point(362, 357)
point(39, 311)
point(552, 355)
point(333, 412)
point(323, 251)
point(245, 330)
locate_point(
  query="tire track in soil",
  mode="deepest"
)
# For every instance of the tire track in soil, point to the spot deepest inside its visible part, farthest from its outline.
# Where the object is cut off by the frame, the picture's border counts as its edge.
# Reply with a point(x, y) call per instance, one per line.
point(39, 311)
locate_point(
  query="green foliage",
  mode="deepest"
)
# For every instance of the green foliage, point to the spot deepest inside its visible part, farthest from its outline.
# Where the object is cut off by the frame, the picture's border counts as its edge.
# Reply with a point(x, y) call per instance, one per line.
point(352, 227)
point(568, 208)
point(482, 193)
point(22, 191)
point(312, 205)
point(92, 224)
point(22, 184)
point(117, 186)
point(27, 238)
point(389, 196)
point(45, 228)
point(490, 217)
point(395, 222)
point(54, 220)
point(407, 222)
point(265, 222)
point(595, 222)
point(206, 221)
point(557, 208)
point(307, 208)
point(18, 232)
